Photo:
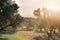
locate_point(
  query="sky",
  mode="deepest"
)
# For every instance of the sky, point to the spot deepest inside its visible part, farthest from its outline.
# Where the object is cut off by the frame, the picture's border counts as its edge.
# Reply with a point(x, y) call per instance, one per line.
point(28, 6)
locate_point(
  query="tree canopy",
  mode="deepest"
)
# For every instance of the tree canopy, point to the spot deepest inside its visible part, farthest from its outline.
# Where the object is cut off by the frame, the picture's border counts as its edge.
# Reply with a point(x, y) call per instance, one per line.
point(7, 10)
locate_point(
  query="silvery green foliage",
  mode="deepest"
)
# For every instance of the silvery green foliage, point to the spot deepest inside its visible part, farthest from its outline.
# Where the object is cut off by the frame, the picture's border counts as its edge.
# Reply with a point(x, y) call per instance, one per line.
point(7, 17)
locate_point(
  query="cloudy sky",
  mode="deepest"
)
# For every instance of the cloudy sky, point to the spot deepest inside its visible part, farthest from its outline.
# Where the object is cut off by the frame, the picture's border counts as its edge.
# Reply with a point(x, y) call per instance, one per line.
point(27, 6)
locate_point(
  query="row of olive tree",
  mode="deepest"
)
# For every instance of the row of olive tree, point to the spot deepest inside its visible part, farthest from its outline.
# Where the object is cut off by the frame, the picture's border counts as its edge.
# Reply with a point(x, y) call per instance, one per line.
point(49, 26)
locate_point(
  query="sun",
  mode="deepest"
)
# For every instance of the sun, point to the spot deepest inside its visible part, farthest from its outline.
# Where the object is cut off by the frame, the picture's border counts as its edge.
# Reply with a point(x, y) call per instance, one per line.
point(42, 13)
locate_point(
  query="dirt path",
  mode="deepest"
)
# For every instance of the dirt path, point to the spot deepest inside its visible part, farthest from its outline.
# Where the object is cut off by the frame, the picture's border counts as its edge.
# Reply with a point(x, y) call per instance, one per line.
point(30, 34)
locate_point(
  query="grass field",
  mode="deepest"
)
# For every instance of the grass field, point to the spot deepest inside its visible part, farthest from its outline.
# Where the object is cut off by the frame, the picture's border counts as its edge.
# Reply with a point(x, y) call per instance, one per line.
point(13, 37)
point(27, 35)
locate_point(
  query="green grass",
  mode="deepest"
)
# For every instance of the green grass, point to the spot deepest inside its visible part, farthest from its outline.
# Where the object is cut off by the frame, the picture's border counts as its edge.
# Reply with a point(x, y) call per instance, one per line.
point(13, 37)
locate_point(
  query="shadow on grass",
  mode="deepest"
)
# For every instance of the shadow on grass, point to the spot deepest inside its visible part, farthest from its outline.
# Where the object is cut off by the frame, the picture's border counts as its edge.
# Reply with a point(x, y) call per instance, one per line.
point(3, 38)
point(12, 31)
point(39, 38)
